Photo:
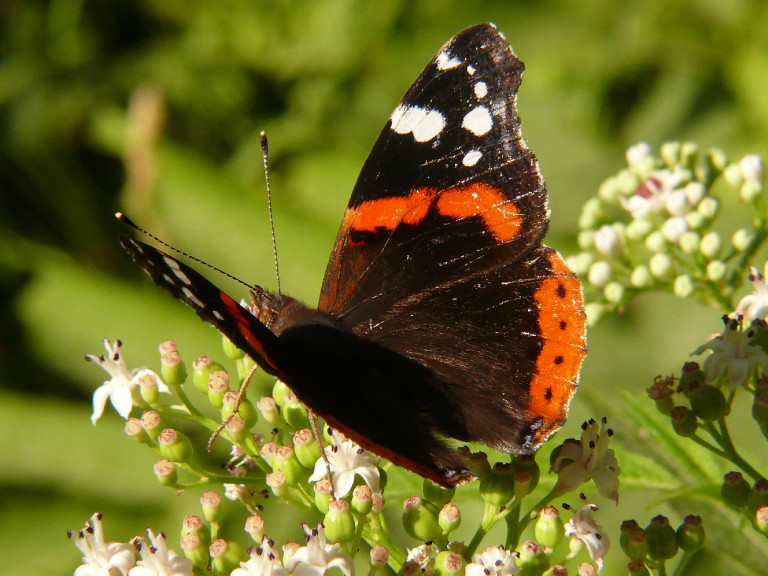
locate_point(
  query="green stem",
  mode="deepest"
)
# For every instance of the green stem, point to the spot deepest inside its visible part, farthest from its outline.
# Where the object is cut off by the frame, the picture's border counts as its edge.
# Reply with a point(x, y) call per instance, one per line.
point(662, 568)
point(377, 534)
point(731, 452)
point(489, 519)
point(680, 565)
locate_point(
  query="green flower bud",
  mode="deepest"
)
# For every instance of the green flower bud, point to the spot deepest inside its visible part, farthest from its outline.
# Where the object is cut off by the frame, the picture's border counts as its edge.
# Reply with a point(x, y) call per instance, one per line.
point(268, 408)
point(532, 559)
point(522, 483)
point(211, 504)
point(549, 529)
point(322, 490)
point(637, 567)
point(741, 239)
point(420, 521)
point(294, 412)
point(732, 175)
point(449, 518)
point(670, 153)
point(339, 522)
point(661, 265)
point(692, 377)
point(690, 534)
point(448, 564)
point(276, 481)
point(689, 242)
point(218, 386)
point(362, 499)
point(202, 368)
point(306, 448)
point(750, 191)
point(236, 430)
point(435, 493)
point(633, 540)
point(592, 214)
point(586, 239)
point(708, 402)
point(710, 245)
point(683, 421)
point(379, 557)
point(735, 489)
point(527, 463)
point(627, 181)
point(708, 207)
point(498, 487)
point(683, 286)
point(226, 556)
point(717, 159)
point(165, 471)
point(758, 496)
point(595, 312)
point(267, 453)
point(478, 463)
point(614, 292)
point(172, 368)
point(760, 520)
point(655, 241)
point(195, 550)
point(660, 536)
point(641, 277)
point(230, 349)
point(174, 445)
point(279, 390)
point(695, 220)
point(689, 153)
point(135, 430)
point(716, 270)
point(246, 410)
point(148, 389)
point(599, 274)
point(254, 525)
point(286, 461)
point(638, 229)
point(193, 524)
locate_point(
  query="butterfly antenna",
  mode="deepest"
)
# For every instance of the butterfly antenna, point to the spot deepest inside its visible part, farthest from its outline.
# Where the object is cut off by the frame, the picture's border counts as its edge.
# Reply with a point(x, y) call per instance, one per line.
point(264, 155)
point(128, 222)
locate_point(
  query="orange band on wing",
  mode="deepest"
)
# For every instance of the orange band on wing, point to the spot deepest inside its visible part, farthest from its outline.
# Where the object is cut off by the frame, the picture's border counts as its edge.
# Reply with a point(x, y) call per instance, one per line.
point(389, 212)
point(562, 327)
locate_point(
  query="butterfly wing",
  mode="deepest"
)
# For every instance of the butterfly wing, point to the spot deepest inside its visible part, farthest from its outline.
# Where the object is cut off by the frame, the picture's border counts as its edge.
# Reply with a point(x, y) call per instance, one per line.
point(439, 255)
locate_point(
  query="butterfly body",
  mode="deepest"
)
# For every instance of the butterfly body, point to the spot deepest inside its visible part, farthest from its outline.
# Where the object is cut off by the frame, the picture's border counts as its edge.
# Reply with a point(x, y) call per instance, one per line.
point(442, 315)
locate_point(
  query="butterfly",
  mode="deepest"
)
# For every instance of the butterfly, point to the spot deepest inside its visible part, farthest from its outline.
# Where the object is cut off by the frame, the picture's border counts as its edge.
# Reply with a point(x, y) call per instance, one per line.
point(442, 315)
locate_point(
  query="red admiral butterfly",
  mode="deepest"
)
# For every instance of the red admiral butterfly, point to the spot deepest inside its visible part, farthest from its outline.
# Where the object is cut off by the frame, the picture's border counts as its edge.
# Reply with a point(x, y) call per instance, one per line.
point(441, 314)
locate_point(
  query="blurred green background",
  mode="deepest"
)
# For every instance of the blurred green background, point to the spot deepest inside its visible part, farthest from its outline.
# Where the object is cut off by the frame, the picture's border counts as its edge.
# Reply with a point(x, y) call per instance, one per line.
point(154, 108)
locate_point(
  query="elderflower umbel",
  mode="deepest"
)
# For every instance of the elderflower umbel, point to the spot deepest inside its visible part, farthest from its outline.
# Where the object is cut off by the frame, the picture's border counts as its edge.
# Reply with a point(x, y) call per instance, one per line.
point(347, 459)
point(101, 557)
point(317, 557)
point(494, 561)
point(157, 559)
point(264, 561)
point(584, 528)
point(732, 353)
point(122, 383)
point(579, 460)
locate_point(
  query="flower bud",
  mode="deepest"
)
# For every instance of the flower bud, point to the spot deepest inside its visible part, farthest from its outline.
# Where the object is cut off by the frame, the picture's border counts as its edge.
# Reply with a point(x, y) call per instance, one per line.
point(378, 502)
point(586, 569)
point(236, 430)
point(267, 453)
point(760, 520)
point(689, 153)
point(449, 518)
point(226, 556)
point(716, 270)
point(735, 489)
point(641, 277)
point(279, 390)
point(306, 448)
point(286, 461)
point(594, 312)
point(683, 421)
point(323, 494)
point(379, 556)
point(614, 292)
point(708, 402)
point(656, 242)
point(202, 368)
point(193, 524)
point(276, 481)
point(362, 500)
point(254, 525)
point(691, 378)
point(690, 534)
point(498, 487)
point(419, 521)
point(608, 241)
point(660, 536)
point(165, 472)
point(633, 540)
point(708, 207)
point(246, 410)
point(211, 504)
point(592, 214)
point(674, 228)
point(339, 522)
point(135, 430)
point(527, 463)
point(683, 286)
point(435, 493)
point(174, 445)
point(758, 496)
point(580, 263)
point(549, 530)
point(218, 386)
point(172, 368)
point(294, 412)
point(661, 265)
point(532, 559)
point(638, 229)
point(230, 349)
point(195, 550)
point(152, 423)
point(268, 408)
point(689, 242)
point(717, 159)
point(637, 567)
point(741, 239)
point(599, 274)
point(640, 159)
point(448, 564)
point(148, 389)
point(695, 220)
point(670, 153)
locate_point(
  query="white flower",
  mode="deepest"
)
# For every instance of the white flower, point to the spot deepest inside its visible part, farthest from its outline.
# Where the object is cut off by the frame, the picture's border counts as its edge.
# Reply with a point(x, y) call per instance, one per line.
point(123, 382)
point(584, 528)
point(317, 557)
point(99, 557)
point(652, 194)
point(265, 561)
point(424, 557)
point(732, 353)
point(755, 306)
point(494, 561)
point(751, 167)
point(347, 459)
point(578, 461)
point(608, 241)
point(157, 559)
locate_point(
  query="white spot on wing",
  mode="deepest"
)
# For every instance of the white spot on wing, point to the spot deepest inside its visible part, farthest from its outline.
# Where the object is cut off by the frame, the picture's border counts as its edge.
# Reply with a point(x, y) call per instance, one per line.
point(478, 121)
point(422, 123)
point(471, 70)
point(445, 61)
point(481, 89)
point(218, 315)
point(174, 266)
point(192, 298)
point(471, 157)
